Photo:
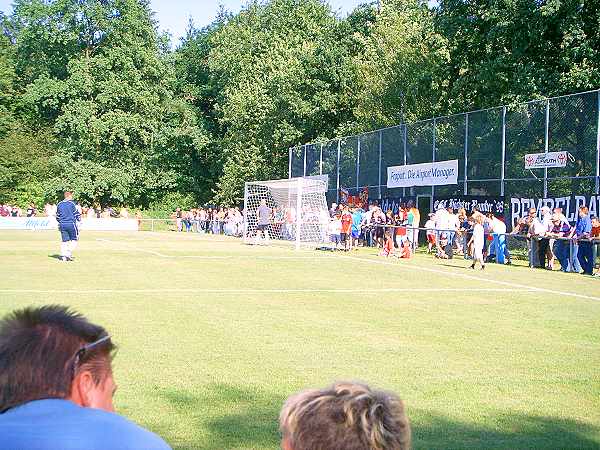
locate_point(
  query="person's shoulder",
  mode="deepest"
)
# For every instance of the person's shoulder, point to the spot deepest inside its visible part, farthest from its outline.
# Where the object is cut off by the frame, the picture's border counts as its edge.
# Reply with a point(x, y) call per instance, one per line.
point(131, 435)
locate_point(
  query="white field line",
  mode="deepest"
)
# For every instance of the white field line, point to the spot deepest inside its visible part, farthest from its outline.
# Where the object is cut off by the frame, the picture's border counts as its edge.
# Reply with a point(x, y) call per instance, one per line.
point(250, 291)
point(128, 247)
point(514, 286)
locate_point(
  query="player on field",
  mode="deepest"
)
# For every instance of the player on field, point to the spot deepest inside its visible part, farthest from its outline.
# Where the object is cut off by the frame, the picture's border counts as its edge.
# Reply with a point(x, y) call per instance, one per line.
point(67, 216)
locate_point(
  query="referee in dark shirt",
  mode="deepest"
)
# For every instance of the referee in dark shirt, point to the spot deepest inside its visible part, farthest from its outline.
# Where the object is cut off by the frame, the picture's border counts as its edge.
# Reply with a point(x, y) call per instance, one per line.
point(67, 217)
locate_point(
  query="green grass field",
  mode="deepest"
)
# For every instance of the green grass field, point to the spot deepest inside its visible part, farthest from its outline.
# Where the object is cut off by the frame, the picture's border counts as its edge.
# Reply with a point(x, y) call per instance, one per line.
point(214, 335)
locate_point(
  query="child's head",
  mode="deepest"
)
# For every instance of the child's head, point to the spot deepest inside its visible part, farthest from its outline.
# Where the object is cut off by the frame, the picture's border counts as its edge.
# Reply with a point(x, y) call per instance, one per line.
point(595, 221)
point(388, 235)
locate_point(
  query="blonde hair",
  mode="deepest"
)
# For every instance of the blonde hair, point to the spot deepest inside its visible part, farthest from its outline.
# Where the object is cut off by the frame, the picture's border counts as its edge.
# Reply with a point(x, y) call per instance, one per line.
point(345, 416)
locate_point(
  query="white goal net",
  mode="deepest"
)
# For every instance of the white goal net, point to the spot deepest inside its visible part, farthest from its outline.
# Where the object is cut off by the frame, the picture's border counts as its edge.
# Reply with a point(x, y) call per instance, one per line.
point(292, 210)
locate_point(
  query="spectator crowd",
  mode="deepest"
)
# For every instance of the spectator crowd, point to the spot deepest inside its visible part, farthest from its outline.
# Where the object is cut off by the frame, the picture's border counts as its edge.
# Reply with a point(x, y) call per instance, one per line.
point(218, 220)
point(550, 240)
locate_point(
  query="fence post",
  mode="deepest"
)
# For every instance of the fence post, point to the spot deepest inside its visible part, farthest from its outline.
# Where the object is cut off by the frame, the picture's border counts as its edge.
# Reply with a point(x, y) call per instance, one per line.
point(379, 176)
point(321, 160)
point(598, 149)
point(152, 224)
point(546, 146)
point(357, 162)
point(433, 157)
point(465, 190)
point(502, 173)
point(304, 170)
point(290, 163)
point(337, 186)
point(404, 144)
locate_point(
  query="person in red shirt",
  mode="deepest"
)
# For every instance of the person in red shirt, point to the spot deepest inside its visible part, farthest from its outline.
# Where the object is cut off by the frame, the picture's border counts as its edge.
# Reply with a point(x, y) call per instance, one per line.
point(388, 245)
point(346, 228)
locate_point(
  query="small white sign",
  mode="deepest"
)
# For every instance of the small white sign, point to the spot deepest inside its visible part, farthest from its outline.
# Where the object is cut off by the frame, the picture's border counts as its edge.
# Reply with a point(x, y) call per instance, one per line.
point(427, 174)
point(544, 160)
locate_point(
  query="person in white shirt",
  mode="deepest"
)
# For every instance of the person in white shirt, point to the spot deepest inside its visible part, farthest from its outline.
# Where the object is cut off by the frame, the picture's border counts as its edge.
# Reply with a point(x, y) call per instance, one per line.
point(335, 229)
point(478, 240)
point(498, 227)
point(430, 233)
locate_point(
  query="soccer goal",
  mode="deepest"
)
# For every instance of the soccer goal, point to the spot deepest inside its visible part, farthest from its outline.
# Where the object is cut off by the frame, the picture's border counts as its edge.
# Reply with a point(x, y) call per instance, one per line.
point(297, 211)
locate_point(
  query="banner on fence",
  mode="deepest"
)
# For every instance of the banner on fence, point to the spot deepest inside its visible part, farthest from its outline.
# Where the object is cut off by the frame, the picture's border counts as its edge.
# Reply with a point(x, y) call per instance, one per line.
point(27, 223)
point(544, 160)
point(49, 223)
point(427, 174)
point(483, 204)
point(519, 207)
point(393, 203)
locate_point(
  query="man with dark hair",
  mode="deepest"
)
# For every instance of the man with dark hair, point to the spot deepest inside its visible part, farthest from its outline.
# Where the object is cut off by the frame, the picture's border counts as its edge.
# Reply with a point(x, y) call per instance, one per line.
point(56, 385)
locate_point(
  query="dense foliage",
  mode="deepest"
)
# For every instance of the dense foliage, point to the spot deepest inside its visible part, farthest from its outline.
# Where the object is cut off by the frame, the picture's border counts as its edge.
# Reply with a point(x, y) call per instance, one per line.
point(93, 97)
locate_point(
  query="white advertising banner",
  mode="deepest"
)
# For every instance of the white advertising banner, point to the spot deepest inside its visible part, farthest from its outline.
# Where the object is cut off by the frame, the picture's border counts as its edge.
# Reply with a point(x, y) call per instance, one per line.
point(427, 174)
point(544, 160)
point(49, 223)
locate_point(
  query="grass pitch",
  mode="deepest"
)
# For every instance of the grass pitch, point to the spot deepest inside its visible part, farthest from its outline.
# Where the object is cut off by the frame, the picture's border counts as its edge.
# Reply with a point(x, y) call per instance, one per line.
point(214, 335)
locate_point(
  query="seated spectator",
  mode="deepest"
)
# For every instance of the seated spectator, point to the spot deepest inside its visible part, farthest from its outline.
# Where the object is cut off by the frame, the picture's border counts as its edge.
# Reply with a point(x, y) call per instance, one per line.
point(346, 416)
point(56, 385)
point(388, 245)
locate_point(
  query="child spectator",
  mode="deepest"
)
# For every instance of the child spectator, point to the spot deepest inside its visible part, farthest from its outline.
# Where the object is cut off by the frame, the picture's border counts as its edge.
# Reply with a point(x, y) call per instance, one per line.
point(335, 228)
point(430, 226)
point(345, 234)
point(388, 246)
point(478, 240)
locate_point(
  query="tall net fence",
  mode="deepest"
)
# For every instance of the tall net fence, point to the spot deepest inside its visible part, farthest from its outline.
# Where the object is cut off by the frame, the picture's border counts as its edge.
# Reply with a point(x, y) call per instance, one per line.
point(490, 146)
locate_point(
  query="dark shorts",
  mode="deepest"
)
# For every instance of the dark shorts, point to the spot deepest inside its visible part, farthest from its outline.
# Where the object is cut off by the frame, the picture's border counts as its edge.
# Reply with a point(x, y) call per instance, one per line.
point(68, 232)
point(262, 227)
point(343, 237)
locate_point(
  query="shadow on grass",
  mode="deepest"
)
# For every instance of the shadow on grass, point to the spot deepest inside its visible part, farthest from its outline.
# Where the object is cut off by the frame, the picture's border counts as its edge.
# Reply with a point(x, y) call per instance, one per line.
point(250, 421)
point(55, 256)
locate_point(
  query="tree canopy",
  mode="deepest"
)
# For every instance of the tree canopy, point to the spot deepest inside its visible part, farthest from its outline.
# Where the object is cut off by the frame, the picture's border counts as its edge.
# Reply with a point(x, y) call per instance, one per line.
point(94, 98)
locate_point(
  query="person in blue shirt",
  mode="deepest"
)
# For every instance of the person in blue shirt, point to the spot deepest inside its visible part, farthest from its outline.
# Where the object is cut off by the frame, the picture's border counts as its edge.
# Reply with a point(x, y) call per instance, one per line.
point(583, 230)
point(357, 216)
point(67, 216)
point(57, 385)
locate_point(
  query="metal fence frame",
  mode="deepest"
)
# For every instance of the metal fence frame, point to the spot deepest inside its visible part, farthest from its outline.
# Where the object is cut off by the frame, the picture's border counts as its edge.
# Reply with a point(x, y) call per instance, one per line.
point(298, 155)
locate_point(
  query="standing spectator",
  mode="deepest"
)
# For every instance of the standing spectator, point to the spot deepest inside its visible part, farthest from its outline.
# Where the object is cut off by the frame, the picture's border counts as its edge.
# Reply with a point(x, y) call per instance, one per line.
point(357, 215)
point(346, 416)
point(334, 229)
point(430, 232)
point(178, 219)
point(90, 213)
point(414, 221)
point(478, 241)
point(560, 229)
point(57, 386)
point(4, 212)
point(124, 214)
point(346, 233)
point(264, 220)
point(546, 243)
point(453, 225)
point(537, 233)
point(583, 231)
point(498, 228)
point(31, 211)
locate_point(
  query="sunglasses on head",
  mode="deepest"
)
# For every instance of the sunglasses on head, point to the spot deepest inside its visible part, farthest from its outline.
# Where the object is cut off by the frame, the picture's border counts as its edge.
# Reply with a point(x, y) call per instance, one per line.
point(79, 354)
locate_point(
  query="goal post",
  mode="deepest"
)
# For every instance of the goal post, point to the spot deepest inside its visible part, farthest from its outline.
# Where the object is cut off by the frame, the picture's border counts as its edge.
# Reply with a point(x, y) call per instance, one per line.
point(299, 213)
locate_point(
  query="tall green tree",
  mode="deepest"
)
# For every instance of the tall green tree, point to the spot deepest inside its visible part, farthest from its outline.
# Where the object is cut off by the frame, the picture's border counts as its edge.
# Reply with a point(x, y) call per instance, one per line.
point(399, 76)
point(100, 76)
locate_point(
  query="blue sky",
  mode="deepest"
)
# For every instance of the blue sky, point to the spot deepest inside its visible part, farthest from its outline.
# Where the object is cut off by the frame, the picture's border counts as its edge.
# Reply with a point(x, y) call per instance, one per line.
point(173, 15)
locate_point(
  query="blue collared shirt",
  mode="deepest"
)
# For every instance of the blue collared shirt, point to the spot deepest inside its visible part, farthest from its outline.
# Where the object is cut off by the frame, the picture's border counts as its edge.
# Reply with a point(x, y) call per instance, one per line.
point(584, 225)
point(53, 424)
